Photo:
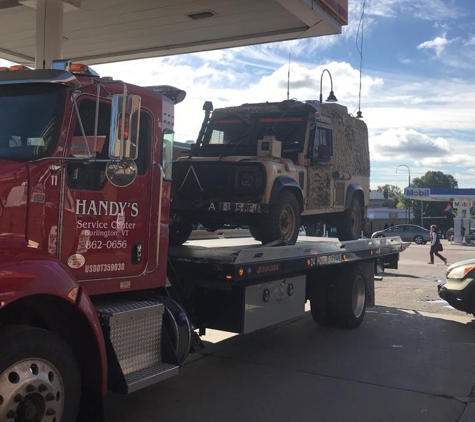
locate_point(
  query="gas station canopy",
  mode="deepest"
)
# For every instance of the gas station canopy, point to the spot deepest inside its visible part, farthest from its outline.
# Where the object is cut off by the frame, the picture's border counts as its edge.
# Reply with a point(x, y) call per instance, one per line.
point(99, 31)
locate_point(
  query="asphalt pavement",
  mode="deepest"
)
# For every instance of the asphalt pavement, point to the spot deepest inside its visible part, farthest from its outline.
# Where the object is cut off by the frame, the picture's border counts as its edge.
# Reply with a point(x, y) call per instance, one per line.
point(411, 360)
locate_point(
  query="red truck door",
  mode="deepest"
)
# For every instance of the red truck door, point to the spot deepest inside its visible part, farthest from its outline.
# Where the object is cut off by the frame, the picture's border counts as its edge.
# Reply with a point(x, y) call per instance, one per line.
point(104, 229)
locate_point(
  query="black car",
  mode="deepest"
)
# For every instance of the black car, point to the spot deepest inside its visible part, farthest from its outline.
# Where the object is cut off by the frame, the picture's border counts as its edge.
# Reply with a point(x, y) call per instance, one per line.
point(459, 287)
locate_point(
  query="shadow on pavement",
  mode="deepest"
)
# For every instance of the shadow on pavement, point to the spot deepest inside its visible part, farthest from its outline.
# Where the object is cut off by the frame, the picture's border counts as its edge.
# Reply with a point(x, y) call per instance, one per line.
point(399, 365)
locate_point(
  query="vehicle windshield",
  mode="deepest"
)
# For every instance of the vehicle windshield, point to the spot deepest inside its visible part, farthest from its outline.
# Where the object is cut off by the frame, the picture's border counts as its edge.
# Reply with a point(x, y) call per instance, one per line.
point(30, 120)
point(238, 135)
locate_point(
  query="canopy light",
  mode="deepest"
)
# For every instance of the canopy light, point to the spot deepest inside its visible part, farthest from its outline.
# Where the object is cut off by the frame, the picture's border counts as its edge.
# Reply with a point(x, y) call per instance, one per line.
point(201, 15)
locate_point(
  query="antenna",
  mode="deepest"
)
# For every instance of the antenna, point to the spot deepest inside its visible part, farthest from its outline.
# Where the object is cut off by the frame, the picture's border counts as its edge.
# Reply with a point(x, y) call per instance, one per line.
point(359, 114)
point(288, 80)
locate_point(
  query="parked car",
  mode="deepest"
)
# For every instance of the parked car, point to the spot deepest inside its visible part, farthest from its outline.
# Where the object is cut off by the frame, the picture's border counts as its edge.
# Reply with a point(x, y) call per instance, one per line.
point(407, 232)
point(449, 234)
point(459, 287)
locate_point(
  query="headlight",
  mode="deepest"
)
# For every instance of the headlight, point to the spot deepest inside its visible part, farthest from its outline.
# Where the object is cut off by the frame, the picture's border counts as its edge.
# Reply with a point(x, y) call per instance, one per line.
point(460, 272)
point(247, 179)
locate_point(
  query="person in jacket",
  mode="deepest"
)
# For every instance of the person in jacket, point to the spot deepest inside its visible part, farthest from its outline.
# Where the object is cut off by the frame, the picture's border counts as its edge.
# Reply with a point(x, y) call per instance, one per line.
point(435, 245)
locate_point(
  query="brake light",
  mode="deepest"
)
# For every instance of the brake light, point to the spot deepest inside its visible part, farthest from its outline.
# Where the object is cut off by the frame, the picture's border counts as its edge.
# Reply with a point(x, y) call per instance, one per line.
point(3, 69)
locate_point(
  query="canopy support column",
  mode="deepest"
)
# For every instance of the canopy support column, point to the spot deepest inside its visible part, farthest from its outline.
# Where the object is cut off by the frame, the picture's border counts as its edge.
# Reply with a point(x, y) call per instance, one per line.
point(49, 32)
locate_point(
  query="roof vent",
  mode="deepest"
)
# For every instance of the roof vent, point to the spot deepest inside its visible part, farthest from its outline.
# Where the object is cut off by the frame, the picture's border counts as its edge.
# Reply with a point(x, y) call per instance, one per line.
point(201, 15)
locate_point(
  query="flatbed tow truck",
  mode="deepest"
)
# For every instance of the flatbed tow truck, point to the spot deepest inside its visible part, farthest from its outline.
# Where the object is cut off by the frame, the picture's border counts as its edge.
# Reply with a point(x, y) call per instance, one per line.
point(91, 297)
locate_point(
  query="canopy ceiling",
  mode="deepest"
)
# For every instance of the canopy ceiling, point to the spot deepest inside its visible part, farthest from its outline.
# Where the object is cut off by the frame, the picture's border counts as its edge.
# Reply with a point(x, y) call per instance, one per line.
point(99, 31)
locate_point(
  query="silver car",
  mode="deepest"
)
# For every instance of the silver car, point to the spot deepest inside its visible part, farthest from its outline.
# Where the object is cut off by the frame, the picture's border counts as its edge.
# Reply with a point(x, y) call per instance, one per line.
point(407, 232)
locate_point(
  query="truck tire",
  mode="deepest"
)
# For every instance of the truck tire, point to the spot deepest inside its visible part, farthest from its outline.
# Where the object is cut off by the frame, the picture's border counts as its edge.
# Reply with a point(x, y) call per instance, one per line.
point(349, 227)
point(347, 297)
point(39, 377)
point(283, 221)
point(179, 232)
point(318, 297)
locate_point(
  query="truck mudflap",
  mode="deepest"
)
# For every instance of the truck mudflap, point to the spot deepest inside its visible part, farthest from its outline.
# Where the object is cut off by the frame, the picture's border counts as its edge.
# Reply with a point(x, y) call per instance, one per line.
point(133, 333)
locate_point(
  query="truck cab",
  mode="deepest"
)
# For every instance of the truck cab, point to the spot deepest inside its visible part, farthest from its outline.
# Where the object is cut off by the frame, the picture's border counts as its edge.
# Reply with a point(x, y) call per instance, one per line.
point(274, 167)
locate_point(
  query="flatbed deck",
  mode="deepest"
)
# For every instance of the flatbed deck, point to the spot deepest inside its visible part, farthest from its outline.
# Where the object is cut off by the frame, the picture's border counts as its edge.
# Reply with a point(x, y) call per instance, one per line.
point(244, 259)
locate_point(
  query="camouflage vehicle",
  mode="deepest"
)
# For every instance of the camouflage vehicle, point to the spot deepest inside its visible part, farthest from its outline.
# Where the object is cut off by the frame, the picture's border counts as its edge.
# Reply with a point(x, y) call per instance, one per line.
point(274, 167)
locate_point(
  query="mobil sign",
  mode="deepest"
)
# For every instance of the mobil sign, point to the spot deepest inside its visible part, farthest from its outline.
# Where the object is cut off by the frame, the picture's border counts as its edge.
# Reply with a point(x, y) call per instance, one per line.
point(417, 193)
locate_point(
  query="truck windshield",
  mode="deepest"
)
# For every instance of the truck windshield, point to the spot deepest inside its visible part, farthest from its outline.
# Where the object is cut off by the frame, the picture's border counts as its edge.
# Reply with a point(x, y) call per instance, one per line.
point(235, 136)
point(30, 120)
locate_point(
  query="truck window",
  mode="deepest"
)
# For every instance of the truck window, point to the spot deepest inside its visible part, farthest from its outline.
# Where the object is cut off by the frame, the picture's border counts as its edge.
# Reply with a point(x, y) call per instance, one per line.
point(91, 175)
point(30, 120)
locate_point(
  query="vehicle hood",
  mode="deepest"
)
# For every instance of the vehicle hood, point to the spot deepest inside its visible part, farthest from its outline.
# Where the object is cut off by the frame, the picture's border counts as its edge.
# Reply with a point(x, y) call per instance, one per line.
point(470, 261)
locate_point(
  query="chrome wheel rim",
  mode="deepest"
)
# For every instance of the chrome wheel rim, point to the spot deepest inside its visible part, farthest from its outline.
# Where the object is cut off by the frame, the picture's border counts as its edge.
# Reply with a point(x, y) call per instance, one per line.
point(358, 296)
point(31, 390)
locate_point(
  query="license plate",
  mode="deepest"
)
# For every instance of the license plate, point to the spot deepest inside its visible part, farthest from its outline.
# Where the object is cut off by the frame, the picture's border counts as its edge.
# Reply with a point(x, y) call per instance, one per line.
point(237, 207)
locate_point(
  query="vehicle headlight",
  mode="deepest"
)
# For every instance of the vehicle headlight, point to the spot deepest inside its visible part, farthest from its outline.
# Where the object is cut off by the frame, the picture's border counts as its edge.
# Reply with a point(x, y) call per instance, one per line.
point(247, 179)
point(460, 272)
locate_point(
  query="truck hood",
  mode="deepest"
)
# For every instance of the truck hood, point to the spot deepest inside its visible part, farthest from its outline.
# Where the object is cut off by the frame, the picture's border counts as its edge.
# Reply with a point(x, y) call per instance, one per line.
point(13, 199)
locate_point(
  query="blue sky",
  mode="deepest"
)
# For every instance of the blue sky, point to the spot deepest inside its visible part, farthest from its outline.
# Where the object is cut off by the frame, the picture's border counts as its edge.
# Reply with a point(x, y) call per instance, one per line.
point(418, 82)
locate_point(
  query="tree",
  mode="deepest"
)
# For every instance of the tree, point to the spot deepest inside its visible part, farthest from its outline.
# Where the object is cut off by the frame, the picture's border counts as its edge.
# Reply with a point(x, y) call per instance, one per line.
point(432, 210)
point(394, 193)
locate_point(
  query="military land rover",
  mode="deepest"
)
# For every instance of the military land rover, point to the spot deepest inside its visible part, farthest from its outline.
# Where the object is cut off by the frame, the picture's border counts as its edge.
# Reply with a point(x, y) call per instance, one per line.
point(274, 167)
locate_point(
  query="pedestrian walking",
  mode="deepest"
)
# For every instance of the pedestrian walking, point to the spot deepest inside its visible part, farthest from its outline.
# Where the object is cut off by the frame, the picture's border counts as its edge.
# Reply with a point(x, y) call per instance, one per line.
point(435, 245)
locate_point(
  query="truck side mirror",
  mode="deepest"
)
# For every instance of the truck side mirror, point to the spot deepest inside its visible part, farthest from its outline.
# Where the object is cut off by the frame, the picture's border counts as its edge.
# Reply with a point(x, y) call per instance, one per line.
point(124, 127)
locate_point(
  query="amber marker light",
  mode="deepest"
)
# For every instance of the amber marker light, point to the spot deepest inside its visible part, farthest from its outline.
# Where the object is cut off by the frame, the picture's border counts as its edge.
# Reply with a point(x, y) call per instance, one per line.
point(241, 272)
point(308, 262)
point(73, 294)
point(18, 67)
point(228, 277)
point(78, 68)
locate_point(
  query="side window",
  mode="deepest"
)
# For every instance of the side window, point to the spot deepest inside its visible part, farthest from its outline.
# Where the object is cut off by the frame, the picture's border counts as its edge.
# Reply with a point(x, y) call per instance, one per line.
point(89, 176)
point(323, 145)
point(167, 154)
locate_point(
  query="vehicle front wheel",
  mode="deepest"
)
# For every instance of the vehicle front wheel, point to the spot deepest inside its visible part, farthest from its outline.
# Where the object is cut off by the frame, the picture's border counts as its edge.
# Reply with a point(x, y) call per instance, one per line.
point(179, 232)
point(419, 240)
point(349, 227)
point(39, 377)
point(283, 221)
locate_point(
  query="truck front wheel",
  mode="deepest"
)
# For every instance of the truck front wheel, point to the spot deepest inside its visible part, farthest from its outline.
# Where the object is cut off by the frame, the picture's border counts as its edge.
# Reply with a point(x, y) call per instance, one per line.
point(39, 377)
point(283, 221)
point(349, 226)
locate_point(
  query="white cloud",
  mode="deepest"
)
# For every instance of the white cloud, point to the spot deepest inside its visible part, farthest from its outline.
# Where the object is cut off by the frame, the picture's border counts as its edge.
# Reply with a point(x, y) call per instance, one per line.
point(437, 44)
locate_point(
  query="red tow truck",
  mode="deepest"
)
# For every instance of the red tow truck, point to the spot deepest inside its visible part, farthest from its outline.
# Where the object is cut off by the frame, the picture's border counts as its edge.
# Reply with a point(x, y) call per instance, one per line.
point(92, 299)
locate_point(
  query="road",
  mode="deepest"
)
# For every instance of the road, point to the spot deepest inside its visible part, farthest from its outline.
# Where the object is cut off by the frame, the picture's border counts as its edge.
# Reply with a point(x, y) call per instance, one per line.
point(411, 360)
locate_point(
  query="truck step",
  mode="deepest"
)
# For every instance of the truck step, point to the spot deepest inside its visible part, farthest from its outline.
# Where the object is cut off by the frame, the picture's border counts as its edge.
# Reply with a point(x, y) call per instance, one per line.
point(133, 334)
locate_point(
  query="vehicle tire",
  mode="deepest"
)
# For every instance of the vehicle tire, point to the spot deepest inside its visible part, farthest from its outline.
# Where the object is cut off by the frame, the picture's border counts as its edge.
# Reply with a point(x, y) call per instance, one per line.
point(318, 297)
point(178, 326)
point(283, 221)
point(349, 227)
point(347, 298)
point(419, 240)
point(256, 231)
point(39, 376)
point(179, 232)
